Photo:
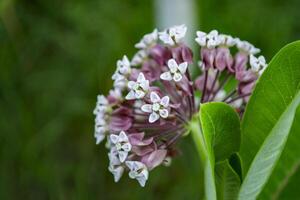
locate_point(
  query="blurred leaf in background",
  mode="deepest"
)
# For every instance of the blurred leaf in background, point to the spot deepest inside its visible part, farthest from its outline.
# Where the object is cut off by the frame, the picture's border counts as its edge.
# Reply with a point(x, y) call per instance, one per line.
point(56, 56)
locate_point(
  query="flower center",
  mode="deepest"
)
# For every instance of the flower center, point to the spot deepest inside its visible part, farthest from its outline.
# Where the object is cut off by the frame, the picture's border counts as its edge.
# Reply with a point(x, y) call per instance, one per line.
point(155, 107)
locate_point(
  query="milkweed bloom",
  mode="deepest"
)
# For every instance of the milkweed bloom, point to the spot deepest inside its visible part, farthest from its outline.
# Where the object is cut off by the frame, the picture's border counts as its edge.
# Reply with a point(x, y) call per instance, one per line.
point(154, 97)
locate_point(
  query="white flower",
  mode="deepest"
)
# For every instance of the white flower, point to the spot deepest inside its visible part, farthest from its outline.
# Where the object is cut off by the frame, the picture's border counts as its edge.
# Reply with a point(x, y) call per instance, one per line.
point(115, 166)
point(173, 35)
point(139, 88)
point(122, 145)
point(227, 40)
point(116, 93)
point(99, 133)
point(123, 66)
point(138, 171)
point(246, 47)
point(209, 40)
point(138, 58)
point(148, 40)
point(122, 72)
point(101, 105)
point(176, 71)
point(257, 64)
point(100, 123)
point(158, 108)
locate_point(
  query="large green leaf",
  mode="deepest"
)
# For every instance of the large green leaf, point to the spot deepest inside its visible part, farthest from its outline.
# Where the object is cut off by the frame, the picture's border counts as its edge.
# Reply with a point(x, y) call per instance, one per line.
point(289, 163)
point(217, 141)
point(227, 181)
point(268, 119)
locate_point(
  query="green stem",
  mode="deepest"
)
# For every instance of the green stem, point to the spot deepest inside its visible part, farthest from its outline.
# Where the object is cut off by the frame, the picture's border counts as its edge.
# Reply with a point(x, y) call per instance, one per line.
point(206, 158)
point(198, 138)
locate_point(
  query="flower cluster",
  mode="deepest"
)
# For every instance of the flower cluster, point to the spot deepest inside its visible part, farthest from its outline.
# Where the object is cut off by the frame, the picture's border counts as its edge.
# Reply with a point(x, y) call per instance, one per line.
point(154, 96)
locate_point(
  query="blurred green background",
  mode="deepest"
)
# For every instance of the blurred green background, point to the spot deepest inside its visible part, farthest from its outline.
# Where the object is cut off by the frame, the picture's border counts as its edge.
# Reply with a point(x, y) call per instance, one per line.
point(56, 56)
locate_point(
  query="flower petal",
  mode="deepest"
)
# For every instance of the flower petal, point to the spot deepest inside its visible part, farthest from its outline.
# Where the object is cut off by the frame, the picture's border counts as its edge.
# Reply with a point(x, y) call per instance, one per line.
point(126, 147)
point(153, 117)
point(145, 85)
point(130, 95)
point(122, 137)
point(117, 172)
point(166, 76)
point(183, 67)
point(147, 108)
point(172, 65)
point(141, 78)
point(154, 97)
point(139, 94)
point(165, 101)
point(114, 138)
point(164, 113)
point(131, 84)
point(122, 155)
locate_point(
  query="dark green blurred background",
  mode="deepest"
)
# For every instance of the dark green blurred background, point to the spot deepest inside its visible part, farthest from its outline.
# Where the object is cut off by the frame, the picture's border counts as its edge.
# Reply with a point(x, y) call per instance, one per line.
point(57, 55)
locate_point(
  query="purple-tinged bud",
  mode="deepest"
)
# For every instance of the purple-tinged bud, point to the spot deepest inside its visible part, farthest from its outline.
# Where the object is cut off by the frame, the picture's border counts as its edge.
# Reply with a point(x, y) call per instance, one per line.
point(208, 57)
point(240, 65)
point(246, 89)
point(199, 83)
point(154, 158)
point(223, 58)
point(182, 54)
point(160, 54)
point(121, 119)
point(151, 70)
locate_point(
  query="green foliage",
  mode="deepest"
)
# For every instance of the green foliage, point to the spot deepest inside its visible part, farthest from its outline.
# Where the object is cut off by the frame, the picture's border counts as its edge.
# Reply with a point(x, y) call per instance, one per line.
point(266, 126)
point(217, 140)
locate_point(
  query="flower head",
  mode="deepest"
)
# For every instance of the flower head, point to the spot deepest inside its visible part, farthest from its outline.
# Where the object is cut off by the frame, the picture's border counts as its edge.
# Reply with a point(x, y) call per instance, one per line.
point(138, 171)
point(176, 72)
point(154, 97)
point(173, 35)
point(121, 144)
point(158, 108)
point(138, 88)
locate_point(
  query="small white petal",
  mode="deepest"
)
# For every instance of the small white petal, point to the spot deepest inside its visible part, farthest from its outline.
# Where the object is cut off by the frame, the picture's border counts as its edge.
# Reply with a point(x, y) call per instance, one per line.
point(172, 65)
point(177, 77)
point(153, 117)
point(154, 97)
point(122, 137)
point(130, 95)
point(142, 181)
point(139, 94)
point(114, 138)
point(183, 67)
point(164, 113)
point(99, 138)
point(122, 155)
point(141, 78)
point(166, 76)
point(147, 108)
point(126, 147)
point(130, 164)
point(145, 85)
point(165, 101)
point(131, 84)
point(117, 172)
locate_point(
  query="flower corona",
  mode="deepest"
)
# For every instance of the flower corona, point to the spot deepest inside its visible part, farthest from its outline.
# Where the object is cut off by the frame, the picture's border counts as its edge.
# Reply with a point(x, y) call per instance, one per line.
point(154, 97)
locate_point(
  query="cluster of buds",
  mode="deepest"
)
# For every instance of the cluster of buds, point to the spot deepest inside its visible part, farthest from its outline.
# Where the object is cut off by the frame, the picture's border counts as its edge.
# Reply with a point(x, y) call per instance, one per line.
point(154, 97)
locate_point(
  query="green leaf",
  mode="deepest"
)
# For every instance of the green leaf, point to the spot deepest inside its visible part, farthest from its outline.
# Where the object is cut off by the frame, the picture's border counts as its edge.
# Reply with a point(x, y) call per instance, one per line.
point(227, 181)
point(286, 168)
point(222, 124)
point(268, 119)
point(219, 138)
